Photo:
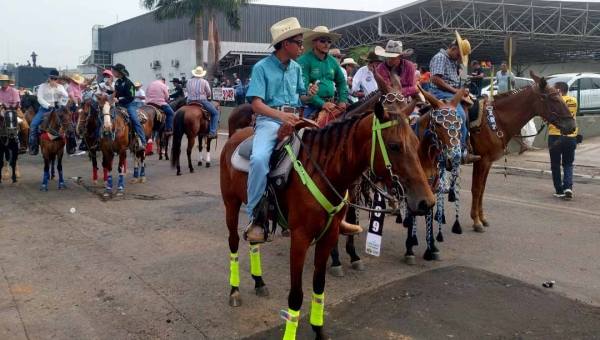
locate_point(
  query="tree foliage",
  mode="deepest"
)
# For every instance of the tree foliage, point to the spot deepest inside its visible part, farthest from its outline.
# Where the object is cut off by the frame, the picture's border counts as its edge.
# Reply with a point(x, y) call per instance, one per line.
point(359, 51)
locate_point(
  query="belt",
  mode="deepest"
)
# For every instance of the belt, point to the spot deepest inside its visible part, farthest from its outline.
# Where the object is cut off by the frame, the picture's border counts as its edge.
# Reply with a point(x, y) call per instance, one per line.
point(285, 108)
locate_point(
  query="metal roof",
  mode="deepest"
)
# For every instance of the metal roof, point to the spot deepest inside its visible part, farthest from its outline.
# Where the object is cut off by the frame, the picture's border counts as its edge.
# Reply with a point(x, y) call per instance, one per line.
point(236, 58)
point(544, 31)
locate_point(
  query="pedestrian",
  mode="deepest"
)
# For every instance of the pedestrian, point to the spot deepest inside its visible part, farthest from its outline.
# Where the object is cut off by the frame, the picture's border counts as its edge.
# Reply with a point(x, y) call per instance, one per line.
point(363, 82)
point(425, 78)
point(503, 77)
point(139, 95)
point(239, 92)
point(33, 58)
point(476, 79)
point(562, 150)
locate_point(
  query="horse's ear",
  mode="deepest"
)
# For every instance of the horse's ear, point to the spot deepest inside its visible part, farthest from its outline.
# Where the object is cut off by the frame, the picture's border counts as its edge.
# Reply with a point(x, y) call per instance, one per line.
point(380, 111)
point(455, 101)
point(534, 76)
point(430, 98)
point(406, 111)
point(543, 84)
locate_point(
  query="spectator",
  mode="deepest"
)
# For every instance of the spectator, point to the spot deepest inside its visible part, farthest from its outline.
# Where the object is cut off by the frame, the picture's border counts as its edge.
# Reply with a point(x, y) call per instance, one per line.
point(227, 83)
point(239, 92)
point(424, 78)
point(33, 58)
point(140, 95)
point(476, 79)
point(503, 76)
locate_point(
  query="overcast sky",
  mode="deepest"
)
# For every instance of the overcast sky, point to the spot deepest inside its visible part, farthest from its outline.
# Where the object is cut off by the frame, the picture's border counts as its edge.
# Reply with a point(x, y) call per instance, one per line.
point(60, 31)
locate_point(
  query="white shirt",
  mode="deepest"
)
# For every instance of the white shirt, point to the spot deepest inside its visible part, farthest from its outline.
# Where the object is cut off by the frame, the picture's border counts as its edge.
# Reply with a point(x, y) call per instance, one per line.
point(48, 95)
point(102, 88)
point(364, 81)
point(345, 73)
point(140, 93)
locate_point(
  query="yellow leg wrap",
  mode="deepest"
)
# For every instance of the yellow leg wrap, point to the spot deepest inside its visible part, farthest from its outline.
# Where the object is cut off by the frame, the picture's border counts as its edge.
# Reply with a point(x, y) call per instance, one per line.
point(291, 326)
point(317, 309)
point(255, 268)
point(234, 269)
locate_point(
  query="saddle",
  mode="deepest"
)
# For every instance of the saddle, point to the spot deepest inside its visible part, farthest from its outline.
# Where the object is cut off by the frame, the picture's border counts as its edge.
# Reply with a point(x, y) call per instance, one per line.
point(161, 117)
point(475, 114)
point(205, 113)
point(326, 116)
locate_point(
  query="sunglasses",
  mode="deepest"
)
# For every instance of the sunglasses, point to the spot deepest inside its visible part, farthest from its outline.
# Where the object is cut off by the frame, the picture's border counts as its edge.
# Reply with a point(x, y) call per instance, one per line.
point(297, 42)
point(324, 40)
point(53, 78)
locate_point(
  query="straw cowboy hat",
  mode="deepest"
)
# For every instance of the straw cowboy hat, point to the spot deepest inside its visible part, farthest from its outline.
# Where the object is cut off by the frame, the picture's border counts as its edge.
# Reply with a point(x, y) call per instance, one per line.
point(335, 52)
point(77, 78)
point(349, 61)
point(464, 46)
point(137, 84)
point(319, 31)
point(392, 49)
point(199, 72)
point(4, 77)
point(286, 29)
point(371, 57)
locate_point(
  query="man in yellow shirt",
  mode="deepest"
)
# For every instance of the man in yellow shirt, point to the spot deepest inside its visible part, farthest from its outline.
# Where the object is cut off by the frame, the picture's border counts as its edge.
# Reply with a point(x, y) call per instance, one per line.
point(562, 150)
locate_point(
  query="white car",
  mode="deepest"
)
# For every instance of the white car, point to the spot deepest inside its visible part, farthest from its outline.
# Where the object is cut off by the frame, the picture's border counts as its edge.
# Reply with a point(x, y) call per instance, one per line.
point(585, 87)
point(519, 83)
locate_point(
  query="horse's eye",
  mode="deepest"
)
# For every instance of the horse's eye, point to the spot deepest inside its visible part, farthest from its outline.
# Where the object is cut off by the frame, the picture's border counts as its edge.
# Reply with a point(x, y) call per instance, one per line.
point(394, 147)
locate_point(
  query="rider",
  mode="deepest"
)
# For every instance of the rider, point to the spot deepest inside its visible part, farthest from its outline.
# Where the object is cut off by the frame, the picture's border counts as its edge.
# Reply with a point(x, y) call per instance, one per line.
point(9, 96)
point(157, 93)
point(125, 93)
point(395, 57)
point(317, 65)
point(106, 89)
point(48, 94)
point(76, 85)
point(199, 92)
point(445, 82)
point(178, 91)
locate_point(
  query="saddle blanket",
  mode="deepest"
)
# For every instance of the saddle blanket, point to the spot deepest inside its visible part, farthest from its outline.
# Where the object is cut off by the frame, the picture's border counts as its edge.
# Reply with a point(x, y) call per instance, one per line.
point(51, 137)
point(476, 114)
point(280, 163)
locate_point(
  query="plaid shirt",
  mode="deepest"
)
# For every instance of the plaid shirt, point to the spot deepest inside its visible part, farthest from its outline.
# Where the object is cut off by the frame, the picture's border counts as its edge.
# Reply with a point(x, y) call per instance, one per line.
point(442, 65)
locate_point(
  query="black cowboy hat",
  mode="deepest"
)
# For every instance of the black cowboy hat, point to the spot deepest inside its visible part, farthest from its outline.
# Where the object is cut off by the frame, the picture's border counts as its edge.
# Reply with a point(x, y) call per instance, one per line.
point(371, 56)
point(176, 80)
point(121, 68)
point(53, 73)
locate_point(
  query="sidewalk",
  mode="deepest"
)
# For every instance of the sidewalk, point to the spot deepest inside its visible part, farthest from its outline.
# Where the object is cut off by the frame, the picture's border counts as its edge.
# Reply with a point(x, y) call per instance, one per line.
point(587, 159)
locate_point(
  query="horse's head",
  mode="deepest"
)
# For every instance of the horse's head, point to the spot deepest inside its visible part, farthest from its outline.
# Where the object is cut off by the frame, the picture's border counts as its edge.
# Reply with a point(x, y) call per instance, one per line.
point(444, 128)
point(551, 107)
point(397, 163)
point(106, 105)
point(63, 118)
point(9, 118)
point(87, 114)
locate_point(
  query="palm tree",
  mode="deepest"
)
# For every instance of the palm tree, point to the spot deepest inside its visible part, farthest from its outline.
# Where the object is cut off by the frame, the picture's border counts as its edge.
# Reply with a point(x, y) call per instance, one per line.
point(195, 10)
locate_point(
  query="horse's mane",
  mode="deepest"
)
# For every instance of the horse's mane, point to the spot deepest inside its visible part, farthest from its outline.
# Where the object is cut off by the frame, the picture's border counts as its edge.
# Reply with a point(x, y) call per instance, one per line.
point(356, 106)
point(507, 94)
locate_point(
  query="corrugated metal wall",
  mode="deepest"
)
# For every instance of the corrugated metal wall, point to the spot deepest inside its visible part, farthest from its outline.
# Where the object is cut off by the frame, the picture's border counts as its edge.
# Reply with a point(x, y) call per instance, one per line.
point(143, 31)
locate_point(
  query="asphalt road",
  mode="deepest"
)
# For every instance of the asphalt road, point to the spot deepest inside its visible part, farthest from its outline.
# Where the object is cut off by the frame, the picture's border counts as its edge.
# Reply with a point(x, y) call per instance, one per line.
point(154, 264)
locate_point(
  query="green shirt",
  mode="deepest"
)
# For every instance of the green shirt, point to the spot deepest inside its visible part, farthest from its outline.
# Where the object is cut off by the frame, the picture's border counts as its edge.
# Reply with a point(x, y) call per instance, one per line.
point(330, 74)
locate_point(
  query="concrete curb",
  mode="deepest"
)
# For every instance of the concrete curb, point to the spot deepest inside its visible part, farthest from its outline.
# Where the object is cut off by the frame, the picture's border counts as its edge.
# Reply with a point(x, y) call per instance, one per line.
point(541, 171)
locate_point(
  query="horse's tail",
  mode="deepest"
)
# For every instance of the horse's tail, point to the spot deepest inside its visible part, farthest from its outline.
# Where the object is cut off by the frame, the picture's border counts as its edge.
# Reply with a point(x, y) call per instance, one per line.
point(178, 130)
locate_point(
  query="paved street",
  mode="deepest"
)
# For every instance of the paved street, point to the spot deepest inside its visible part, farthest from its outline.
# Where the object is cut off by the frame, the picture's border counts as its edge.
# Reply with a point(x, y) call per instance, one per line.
point(154, 264)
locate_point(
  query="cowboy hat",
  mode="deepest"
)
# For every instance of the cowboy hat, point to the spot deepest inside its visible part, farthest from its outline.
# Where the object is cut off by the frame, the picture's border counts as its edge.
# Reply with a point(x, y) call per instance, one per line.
point(286, 29)
point(393, 49)
point(335, 52)
point(199, 72)
point(137, 84)
point(370, 57)
point(77, 78)
point(121, 69)
point(176, 80)
point(4, 77)
point(319, 31)
point(464, 46)
point(349, 61)
point(52, 74)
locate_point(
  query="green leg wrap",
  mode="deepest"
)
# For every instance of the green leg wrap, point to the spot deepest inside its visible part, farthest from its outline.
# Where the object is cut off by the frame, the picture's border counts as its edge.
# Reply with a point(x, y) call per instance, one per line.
point(291, 326)
point(317, 309)
point(234, 269)
point(255, 268)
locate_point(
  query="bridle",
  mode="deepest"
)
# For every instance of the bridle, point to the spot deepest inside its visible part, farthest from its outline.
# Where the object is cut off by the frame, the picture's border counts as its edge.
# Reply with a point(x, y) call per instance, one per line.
point(60, 122)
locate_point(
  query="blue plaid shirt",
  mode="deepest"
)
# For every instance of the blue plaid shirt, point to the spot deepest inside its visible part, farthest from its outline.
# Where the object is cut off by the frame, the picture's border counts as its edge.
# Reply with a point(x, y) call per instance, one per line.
point(442, 65)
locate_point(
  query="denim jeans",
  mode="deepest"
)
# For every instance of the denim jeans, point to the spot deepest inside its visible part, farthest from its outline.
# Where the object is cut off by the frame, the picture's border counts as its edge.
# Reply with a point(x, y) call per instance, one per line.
point(132, 111)
point(214, 114)
point(562, 152)
point(439, 94)
point(310, 109)
point(139, 104)
point(39, 116)
point(170, 113)
point(265, 139)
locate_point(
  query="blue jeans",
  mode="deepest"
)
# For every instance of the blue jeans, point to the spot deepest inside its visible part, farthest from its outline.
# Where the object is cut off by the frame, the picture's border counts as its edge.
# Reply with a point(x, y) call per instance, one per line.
point(310, 109)
point(139, 104)
point(265, 139)
point(563, 152)
point(37, 120)
point(170, 113)
point(439, 94)
point(214, 114)
point(132, 111)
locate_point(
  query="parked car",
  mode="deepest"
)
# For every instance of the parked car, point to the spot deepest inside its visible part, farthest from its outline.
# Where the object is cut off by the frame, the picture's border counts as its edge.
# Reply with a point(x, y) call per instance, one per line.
point(585, 87)
point(519, 83)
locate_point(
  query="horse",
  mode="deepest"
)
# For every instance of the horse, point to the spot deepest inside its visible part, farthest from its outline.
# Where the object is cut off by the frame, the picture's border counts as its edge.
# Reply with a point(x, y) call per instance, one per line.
point(505, 117)
point(193, 121)
point(52, 143)
point(331, 159)
point(9, 142)
point(240, 118)
point(87, 123)
point(152, 120)
point(163, 138)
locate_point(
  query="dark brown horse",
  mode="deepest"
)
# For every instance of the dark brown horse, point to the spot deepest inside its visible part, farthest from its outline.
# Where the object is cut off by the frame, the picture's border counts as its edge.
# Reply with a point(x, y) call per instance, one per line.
point(52, 143)
point(87, 123)
point(163, 138)
point(511, 111)
point(240, 118)
point(152, 120)
point(114, 139)
point(9, 143)
point(343, 152)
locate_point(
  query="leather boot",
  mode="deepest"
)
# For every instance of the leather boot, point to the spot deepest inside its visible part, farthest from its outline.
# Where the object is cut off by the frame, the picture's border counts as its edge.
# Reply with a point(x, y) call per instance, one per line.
point(470, 158)
point(350, 229)
point(33, 143)
point(255, 233)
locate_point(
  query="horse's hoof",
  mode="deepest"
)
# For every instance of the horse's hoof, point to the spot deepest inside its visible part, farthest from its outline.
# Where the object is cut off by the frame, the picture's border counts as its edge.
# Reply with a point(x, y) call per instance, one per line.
point(62, 186)
point(358, 265)
point(286, 233)
point(15, 184)
point(208, 165)
point(134, 181)
point(143, 180)
point(479, 228)
point(337, 271)
point(120, 192)
point(199, 163)
point(94, 183)
point(235, 300)
point(167, 158)
point(178, 173)
point(436, 256)
point(485, 223)
point(191, 170)
point(261, 291)
point(410, 260)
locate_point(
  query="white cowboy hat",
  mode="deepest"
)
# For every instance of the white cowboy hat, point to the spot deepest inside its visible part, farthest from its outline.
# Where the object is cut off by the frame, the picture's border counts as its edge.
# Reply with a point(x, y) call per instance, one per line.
point(319, 31)
point(349, 61)
point(286, 29)
point(464, 46)
point(137, 84)
point(393, 49)
point(77, 78)
point(199, 72)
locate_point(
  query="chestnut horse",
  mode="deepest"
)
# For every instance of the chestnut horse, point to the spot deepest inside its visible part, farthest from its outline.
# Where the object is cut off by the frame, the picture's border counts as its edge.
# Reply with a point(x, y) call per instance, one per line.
point(52, 143)
point(163, 138)
point(343, 150)
point(151, 123)
point(240, 118)
point(511, 111)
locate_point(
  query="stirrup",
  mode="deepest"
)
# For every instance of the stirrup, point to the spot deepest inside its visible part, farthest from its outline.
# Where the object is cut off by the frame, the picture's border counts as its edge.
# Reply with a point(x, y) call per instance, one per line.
point(256, 233)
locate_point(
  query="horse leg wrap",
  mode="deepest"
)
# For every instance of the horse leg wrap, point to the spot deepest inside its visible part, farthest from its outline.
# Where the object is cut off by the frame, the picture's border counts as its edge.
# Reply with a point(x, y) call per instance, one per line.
point(136, 173)
point(255, 267)
point(317, 309)
point(61, 181)
point(234, 270)
point(143, 171)
point(121, 177)
point(291, 326)
point(109, 185)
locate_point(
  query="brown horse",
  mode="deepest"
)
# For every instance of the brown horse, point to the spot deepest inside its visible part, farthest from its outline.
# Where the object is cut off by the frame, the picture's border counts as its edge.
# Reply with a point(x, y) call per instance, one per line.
point(152, 120)
point(511, 111)
point(193, 121)
point(163, 138)
point(9, 143)
point(240, 118)
point(52, 143)
point(87, 123)
point(343, 151)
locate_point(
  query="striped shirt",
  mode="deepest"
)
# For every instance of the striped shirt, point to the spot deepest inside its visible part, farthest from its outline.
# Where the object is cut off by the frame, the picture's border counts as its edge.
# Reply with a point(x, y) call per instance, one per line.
point(198, 89)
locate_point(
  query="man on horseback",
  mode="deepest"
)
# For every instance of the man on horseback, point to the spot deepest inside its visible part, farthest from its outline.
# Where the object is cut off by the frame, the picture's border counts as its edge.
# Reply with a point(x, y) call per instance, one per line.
point(125, 93)
point(445, 82)
point(317, 65)
point(395, 57)
point(199, 92)
point(157, 93)
point(178, 91)
point(9, 96)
